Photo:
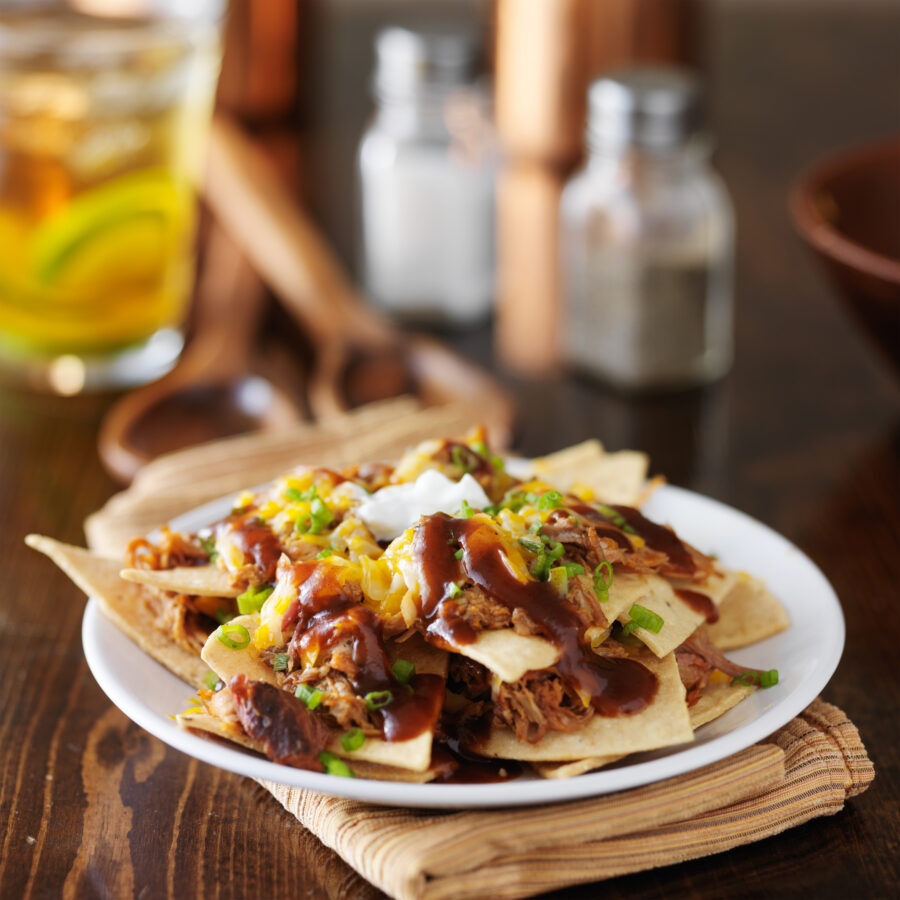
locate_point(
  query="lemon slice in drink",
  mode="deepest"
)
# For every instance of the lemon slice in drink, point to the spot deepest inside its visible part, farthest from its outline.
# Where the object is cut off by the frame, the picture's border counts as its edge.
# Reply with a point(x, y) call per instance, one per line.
point(117, 234)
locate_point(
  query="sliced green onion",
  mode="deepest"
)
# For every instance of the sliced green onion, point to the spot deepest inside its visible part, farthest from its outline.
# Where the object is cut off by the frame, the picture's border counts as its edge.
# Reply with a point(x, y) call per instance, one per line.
point(211, 680)
point(559, 578)
point(603, 579)
point(378, 699)
point(318, 518)
point(457, 454)
point(550, 500)
point(515, 500)
point(641, 617)
point(492, 510)
point(403, 670)
point(310, 696)
point(454, 589)
point(233, 635)
point(324, 554)
point(459, 553)
point(550, 552)
point(280, 662)
point(573, 569)
point(616, 518)
point(482, 449)
point(223, 617)
point(466, 512)
point(353, 739)
point(322, 516)
point(555, 550)
point(334, 766)
point(252, 599)
point(297, 496)
point(535, 527)
point(533, 546)
point(209, 547)
point(752, 678)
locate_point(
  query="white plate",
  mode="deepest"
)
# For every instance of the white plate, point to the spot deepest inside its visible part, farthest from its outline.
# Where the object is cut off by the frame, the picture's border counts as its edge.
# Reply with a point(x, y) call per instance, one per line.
point(805, 655)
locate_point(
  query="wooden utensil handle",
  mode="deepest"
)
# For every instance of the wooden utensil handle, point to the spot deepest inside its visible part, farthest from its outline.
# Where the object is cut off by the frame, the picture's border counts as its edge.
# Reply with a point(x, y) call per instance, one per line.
point(285, 247)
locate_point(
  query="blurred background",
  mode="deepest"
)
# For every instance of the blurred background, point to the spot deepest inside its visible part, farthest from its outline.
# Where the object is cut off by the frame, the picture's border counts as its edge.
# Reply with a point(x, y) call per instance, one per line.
point(621, 258)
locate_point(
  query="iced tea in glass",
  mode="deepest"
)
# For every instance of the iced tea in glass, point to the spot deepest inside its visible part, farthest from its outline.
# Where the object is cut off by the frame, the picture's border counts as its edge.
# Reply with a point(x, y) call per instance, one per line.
point(104, 108)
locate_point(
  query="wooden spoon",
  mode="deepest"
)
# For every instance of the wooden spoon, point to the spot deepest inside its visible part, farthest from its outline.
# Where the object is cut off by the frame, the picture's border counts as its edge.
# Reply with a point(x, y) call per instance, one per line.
point(360, 357)
point(209, 393)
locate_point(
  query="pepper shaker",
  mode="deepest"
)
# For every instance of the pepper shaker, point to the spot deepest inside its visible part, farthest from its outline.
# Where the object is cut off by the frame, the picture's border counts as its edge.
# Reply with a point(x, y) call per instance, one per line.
point(647, 235)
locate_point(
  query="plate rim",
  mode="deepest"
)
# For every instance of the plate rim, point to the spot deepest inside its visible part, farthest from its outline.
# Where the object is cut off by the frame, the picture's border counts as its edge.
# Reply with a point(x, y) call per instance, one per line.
point(674, 761)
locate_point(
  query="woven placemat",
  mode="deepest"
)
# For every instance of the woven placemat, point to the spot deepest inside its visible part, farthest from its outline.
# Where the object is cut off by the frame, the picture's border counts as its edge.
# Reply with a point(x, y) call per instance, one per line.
point(806, 769)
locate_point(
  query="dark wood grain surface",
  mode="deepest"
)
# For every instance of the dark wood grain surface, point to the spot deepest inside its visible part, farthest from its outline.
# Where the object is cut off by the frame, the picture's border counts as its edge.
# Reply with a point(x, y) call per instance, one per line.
point(804, 435)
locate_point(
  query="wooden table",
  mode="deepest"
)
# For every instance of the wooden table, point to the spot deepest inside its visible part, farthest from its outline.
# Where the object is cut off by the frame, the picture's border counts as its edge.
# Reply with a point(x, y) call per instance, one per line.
point(803, 436)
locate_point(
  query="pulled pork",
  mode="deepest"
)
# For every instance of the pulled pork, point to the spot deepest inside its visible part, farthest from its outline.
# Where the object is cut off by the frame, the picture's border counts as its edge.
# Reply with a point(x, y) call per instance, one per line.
point(177, 616)
point(697, 657)
point(478, 609)
point(538, 703)
point(288, 732)
point(469, 678)
point(372, 476)
point(591, 539)
point(585, 544)
point(170, 551)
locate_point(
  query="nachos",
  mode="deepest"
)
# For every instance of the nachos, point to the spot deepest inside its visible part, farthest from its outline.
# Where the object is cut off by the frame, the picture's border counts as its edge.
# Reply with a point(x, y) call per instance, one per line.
point(352, 621)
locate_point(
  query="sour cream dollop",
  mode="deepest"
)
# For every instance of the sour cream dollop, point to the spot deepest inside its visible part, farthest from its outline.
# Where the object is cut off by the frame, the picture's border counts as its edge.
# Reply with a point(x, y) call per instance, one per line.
point(393, 509)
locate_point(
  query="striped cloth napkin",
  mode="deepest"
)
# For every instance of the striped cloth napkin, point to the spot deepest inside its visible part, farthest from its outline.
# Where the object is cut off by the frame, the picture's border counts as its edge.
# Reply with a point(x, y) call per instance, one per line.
point(806, 769)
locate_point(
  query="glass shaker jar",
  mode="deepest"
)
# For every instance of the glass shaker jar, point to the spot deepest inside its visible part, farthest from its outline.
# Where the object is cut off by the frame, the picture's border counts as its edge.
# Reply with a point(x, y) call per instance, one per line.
point(647, 239)
point(427, 171)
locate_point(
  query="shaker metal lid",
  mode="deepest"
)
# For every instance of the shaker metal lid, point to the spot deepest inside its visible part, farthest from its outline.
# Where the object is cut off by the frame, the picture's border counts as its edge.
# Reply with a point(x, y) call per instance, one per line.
point(649, 106)
point(408, 59)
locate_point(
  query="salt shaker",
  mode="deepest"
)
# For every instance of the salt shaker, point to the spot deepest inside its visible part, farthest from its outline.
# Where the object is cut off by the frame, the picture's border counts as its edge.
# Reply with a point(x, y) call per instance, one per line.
point(647, 236)
point(427, 166)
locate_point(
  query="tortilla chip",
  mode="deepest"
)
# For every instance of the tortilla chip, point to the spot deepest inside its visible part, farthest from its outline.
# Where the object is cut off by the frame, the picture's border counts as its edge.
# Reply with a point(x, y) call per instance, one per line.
point(664, 722)
point(123, 604)
point(569, 458)
point(201, 581)
point(508, 654)
point(363, 769)
point(627, 588)
point(717, 586)
point(403, 756)
point(680, 621)
point(749, 612)
point(571, 769)
point(612, 477)
point(208, 724)
point(717, 698)
point(427, 659)
point(227, 661)
point(413, 755)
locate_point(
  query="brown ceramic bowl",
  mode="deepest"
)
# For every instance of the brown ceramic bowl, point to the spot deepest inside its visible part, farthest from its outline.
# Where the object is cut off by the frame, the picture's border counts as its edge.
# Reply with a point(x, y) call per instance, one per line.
point(847, 208)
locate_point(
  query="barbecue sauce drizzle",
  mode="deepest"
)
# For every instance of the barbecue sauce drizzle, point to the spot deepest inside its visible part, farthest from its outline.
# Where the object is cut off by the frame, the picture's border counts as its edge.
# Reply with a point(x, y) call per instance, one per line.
point(256, 541)
point(323, 614)
point(700, 603)
point(616, 686)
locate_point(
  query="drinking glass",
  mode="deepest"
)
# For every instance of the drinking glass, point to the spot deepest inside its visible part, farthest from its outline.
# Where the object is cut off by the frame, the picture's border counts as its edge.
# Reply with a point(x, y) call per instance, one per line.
point(104, 108)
